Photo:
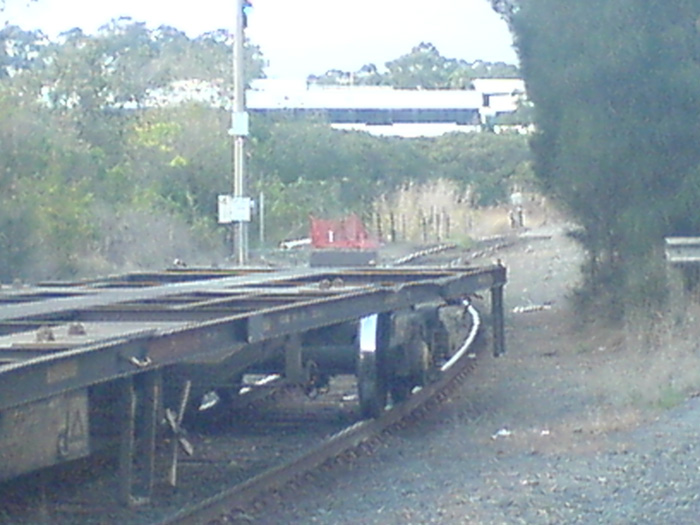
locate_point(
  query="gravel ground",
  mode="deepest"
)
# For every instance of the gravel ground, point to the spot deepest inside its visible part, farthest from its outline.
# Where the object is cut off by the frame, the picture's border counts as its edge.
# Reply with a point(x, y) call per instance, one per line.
point(576, 424)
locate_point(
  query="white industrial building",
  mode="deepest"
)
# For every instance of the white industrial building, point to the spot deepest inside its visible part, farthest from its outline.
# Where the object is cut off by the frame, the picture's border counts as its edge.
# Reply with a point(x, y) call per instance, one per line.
point(379, 110)
point(383, 110)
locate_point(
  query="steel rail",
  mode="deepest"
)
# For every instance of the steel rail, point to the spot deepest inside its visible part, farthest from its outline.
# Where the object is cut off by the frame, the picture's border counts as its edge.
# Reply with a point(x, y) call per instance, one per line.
point(202, 316)
point(228, 505)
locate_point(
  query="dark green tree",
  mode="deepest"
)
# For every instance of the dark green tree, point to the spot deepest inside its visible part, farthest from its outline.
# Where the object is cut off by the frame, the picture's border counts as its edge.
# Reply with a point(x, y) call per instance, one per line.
point(616, 85)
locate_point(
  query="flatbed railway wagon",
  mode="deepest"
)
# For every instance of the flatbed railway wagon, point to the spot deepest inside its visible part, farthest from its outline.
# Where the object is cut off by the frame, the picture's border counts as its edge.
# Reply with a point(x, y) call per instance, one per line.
point(118, 363)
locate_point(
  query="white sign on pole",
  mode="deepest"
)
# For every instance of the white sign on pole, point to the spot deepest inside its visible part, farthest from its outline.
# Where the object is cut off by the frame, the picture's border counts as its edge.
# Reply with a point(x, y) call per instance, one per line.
point(225, 209)
point(234, 209)
point(240, 124)
point(242, 207)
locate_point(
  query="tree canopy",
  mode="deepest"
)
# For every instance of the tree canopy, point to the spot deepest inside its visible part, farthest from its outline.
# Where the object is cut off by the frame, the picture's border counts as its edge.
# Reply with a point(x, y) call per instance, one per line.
point(97, 159)
point(615, 86)
point(422, 68)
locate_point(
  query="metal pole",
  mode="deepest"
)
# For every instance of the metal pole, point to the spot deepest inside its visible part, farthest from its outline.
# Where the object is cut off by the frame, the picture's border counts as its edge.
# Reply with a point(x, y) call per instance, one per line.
point(127, 439)
point(152, 397)
point(497, 315)
point(239, 132)
point(261, 212)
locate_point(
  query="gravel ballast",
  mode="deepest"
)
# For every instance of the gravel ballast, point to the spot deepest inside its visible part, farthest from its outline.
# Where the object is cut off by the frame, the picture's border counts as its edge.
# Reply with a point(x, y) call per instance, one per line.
point(560, 430)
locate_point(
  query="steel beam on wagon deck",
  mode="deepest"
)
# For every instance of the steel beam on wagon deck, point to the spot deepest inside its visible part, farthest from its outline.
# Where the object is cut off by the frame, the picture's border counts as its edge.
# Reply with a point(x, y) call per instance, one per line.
point(265, 310)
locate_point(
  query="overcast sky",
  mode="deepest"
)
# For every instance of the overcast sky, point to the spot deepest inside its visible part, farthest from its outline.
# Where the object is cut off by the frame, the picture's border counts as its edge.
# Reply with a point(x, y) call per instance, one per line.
point(299, 38)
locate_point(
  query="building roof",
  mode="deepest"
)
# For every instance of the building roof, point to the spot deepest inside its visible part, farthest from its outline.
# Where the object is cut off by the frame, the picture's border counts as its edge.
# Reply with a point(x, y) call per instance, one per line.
point(499, 86)
point(363, 97)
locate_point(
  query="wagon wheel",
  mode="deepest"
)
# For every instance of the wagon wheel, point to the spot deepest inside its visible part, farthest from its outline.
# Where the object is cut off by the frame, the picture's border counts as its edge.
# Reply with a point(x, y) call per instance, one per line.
point(416, 353)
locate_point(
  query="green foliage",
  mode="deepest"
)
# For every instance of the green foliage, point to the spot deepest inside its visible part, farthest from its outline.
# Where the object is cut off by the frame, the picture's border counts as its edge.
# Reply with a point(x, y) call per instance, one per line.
point(615, 85)
point(523, 116)
point(423, 68)
point(83, 172)
point(95, 178)
point(324, 171)
point(671, 397)
point(486, 165)
point(45, 192)
point(305, 167)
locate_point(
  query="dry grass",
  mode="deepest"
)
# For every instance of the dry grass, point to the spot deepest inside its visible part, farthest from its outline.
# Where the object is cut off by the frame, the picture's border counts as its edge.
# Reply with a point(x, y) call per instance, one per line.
point(424, 213)
point(609, 383)
point(573, 385)
point(438, 211)
point(628, 376)
point(657, 366)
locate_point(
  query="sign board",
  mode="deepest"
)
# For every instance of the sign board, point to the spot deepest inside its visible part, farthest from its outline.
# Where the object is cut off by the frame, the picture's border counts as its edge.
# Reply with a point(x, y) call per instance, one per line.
point(240, 124)
point(234, 209)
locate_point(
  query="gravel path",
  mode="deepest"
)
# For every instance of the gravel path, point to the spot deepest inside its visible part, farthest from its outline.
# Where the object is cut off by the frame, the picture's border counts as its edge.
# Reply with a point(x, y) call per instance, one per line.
point(557, 431)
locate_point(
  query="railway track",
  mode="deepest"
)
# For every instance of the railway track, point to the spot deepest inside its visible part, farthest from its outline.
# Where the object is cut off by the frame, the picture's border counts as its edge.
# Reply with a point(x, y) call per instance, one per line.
point(240, 503)
point(232, 492)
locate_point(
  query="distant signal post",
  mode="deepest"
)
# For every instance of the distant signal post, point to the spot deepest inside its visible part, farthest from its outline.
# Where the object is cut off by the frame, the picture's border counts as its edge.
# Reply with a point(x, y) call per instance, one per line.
point(236, 209)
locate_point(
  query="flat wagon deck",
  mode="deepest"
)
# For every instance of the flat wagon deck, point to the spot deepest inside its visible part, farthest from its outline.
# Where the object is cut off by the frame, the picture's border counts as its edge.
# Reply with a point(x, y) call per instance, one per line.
point(112, 358)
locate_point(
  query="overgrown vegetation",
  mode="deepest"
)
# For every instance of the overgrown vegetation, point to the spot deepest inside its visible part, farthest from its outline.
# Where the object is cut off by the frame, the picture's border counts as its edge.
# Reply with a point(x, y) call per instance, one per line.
point(424, 67)
point(94, 169)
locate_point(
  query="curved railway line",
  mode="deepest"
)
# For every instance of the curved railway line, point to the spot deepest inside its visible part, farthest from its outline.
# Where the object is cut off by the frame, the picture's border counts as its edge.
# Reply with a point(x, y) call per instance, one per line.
point(126, 366)
point(360, 438)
